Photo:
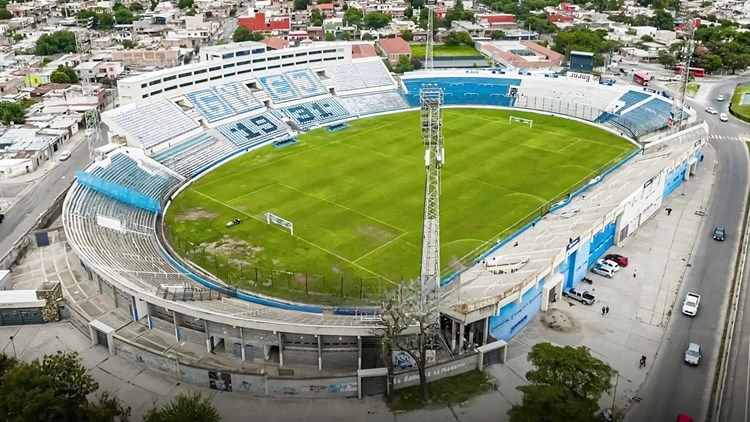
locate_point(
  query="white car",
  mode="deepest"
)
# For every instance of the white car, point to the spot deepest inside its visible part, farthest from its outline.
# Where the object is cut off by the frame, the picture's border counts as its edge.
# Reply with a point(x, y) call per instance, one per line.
point(607, 263)
point(691, 304)
point(723, 117)
point(711, 110)
point(720, 98)
point(64, 155)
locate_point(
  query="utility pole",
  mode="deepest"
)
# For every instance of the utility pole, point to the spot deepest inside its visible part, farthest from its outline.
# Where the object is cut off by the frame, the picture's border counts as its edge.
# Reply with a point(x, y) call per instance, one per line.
point(431, 100)
point(687, 57)
point(91, 117)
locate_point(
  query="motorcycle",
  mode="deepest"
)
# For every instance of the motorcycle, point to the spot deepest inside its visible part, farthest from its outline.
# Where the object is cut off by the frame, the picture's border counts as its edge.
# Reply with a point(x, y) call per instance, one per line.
point(588, 280)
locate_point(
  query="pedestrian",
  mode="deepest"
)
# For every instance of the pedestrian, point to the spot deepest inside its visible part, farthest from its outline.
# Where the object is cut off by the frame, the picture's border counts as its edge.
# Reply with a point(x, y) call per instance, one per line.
point(607, 310)
point(669, 211)
point(643, 362)
point(634, 274)
point(604, 310)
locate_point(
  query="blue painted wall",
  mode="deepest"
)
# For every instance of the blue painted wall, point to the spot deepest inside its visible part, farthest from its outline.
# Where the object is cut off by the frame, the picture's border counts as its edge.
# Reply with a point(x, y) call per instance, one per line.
point(674, 179)
point(601, 242)
point(570, 266)
point(514, 316)
point(580, 266)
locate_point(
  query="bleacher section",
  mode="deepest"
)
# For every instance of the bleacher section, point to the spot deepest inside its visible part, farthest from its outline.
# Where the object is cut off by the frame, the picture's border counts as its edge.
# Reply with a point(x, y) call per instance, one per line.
point(279, 88)
point(316, 112)
point(466, 91)
point(238, 97)
point(599, 98)
point(362, 105)
point(630, 99)
point(195, 154)
point(128, 173)
point(223, 101)
point(359, 75)
point(251, 131)
point(306, 83)
point(647, 117)
point(150, 124)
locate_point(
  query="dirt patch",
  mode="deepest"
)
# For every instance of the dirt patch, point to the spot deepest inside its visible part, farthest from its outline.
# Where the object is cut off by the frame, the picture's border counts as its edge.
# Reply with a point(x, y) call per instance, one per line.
point(559, 320)
point(197, 214)
point(236, 251)
point(375, 232)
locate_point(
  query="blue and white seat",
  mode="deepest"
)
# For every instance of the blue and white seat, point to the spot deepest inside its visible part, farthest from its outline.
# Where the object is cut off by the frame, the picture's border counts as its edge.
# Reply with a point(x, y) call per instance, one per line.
point(362, 105)
point(208, 102)
point(466, 91)
point(306, 83)
point(278, 88)
point(373, 73)
point(238, 97)
point(127, 172)
point(152, 123)
point(316, 112)
point(251, 131)
point(195, 154)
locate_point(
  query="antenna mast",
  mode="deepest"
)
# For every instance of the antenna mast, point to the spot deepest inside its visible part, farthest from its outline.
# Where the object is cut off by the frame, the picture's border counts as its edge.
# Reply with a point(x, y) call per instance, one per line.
point(431, 101)
point(687, 58)
point(428, 64)
point(91, 117)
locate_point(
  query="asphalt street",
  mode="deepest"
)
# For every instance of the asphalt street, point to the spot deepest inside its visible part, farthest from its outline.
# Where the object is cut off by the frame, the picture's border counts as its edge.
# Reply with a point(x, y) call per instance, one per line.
point(672, 387)
point(20, 217)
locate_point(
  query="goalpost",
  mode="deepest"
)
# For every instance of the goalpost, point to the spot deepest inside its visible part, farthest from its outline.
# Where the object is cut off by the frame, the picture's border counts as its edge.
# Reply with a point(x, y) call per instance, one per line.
point(275, 219)
point(530, 122)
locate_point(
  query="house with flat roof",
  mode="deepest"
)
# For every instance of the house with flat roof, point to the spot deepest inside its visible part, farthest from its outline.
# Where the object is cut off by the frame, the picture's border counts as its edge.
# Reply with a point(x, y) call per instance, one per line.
point(521, 54)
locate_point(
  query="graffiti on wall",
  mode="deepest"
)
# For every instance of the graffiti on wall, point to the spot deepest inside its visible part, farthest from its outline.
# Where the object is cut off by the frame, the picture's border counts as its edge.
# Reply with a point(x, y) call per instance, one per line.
point(219, 381)
point(403, 360)
point(344, 387)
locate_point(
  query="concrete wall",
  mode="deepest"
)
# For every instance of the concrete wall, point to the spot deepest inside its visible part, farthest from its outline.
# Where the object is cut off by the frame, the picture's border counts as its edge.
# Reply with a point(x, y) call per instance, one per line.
point(70, 314)
point(451, 368)
point(314, 387)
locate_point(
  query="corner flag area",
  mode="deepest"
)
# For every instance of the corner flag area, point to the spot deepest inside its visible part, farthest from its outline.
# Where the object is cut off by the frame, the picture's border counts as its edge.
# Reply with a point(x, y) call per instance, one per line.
point(355, 198)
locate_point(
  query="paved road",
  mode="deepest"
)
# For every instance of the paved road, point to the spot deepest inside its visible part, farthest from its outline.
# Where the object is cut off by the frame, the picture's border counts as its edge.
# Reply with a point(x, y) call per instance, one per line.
point(672, 387)
point(23, 213)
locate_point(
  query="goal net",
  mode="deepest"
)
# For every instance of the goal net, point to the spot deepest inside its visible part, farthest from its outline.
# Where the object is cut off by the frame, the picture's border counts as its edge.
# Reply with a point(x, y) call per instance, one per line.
point(529, 122)
point(275, 219)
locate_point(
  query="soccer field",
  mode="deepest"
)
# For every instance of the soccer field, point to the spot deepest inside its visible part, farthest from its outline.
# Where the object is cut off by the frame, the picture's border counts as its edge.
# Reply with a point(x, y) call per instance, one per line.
point(355, 197)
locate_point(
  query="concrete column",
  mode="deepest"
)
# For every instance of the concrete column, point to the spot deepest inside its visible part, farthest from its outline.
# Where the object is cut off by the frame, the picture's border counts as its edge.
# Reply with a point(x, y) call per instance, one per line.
point(359, 352)
point(281, 349)
point(320, 352)
point(242, 344)
point(486, 330)
point(209, 346)
point(176, 326)
point(461, 329)
point(471, 334)
point(453, 336)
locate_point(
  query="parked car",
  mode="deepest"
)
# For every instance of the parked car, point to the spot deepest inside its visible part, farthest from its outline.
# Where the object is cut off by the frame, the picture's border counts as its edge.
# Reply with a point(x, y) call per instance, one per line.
point(693, 354)
point(603, 262)
point(619, 259)
point(582, 296)
point(711, 110)
point(723, 117)
point(603, 271)
point(720, 98)
point(719, 234)
point(64, 155)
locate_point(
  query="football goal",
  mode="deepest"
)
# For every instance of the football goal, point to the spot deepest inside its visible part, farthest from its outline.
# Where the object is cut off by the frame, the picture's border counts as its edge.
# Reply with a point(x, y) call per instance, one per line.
point(275, 219)
point(529, 122)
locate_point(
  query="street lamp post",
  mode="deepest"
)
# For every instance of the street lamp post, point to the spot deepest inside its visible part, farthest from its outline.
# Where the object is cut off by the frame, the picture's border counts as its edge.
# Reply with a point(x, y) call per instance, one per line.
point(614, 394)
point(12, 343)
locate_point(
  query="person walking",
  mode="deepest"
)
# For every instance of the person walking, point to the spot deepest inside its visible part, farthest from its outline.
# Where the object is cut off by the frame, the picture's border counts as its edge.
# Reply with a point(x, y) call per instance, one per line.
point(643, 362)
point(606, 310)
point(634, 273)
point(669, 211)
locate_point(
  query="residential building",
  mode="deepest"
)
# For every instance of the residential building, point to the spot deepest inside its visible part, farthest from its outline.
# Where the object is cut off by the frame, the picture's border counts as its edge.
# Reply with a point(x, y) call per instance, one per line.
point(393, 48)
point(258, 22)
point(521, 54)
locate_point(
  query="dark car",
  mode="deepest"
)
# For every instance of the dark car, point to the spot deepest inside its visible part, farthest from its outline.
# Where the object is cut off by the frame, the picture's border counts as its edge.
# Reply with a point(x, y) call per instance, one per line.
point(618, 259)
point(2, 217)
point(719, 233)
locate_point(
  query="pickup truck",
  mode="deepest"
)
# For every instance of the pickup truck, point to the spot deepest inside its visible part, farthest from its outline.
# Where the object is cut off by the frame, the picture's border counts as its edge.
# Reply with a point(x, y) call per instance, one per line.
point(690, 306)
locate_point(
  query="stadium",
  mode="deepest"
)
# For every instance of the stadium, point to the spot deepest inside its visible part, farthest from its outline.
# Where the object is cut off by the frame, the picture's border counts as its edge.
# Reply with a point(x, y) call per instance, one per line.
point(249, 209)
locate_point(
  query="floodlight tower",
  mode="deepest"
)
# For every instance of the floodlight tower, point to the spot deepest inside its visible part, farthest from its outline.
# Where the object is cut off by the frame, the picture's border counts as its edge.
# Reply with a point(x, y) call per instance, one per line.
point(431, 101)
point(428, 64)
point(687, 58)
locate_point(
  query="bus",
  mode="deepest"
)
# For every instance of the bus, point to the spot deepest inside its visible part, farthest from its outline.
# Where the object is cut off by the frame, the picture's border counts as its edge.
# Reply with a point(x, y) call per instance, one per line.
point(698, 72)
point(641, 78)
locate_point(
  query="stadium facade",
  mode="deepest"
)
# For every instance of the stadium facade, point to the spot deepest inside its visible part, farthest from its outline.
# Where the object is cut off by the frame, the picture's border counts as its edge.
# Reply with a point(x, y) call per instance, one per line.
point(176, 124)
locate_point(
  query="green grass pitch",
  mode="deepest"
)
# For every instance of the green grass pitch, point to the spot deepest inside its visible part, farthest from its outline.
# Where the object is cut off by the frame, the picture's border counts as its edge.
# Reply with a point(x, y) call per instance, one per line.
point(356, 198)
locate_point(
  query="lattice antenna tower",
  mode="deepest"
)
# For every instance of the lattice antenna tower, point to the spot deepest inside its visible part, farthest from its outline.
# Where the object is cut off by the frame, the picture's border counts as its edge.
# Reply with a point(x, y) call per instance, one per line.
point(431, 100)
point(428, 62)
point(91, 117)
point(687, 58)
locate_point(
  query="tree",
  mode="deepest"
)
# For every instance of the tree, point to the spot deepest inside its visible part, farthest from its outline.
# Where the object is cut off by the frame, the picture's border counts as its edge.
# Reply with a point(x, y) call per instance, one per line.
point(459, 37)
point(4, 14)
point(208, 14)
point(407, 35)
point(367, 36)
point(403, 308)
point(647, 38)
point(330, 36)
point(666, 59)
point(106, 21)
point(497, 35)
point(301, 4)
point(663, 20)
point(710, 62)
point(190, 12)
point(195, 408)
point(353, 16)
point(565, 385)
point(56, 43)
point(409, 12)
point(243, 34)
point(136, 7)
point(63, 75)
point(345, 36)
point(12, 112)
point(316, 18)
point(185, 4)
point(129, 44)
point(457, 13)
point(403, 65)
point(123, 16)
point(55, 389)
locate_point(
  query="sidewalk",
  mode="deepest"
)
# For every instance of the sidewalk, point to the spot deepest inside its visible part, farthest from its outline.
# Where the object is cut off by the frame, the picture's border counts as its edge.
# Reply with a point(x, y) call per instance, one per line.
point(640, 308)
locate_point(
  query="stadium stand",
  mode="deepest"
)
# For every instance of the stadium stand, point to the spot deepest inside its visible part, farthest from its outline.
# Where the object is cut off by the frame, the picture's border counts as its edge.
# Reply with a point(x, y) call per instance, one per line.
point(362, 105)
point(251, 131)
point(195, 154)
point(645, 117)
point(238, 97)
point(150, 124)
point(359, 76)
point(466, 91)
point(316, 112)
point(278, 88)
point(600, 99)
point(209, 104)
point(630, 99)
point(306, 83)
point(123, 170)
